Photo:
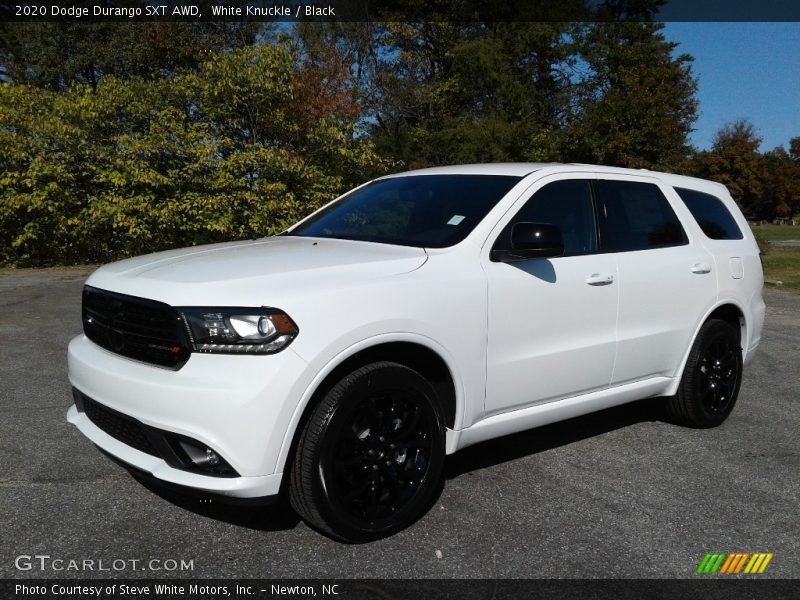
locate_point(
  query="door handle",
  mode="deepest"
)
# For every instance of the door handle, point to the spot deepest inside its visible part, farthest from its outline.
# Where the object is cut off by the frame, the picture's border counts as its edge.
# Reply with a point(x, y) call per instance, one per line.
point(701, 268)
point(600, 279)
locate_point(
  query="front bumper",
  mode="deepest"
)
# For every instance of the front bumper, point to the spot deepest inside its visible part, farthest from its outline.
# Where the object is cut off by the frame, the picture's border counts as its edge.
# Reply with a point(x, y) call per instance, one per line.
point(241, 406)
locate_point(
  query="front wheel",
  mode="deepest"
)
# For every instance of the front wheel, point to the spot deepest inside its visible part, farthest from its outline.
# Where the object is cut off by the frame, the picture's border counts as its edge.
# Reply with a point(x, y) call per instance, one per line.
point(711, 379)
point(370, 457)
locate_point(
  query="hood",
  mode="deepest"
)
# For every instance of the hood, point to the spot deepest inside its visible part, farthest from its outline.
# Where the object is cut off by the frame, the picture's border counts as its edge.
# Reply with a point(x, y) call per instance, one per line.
point(249, 272)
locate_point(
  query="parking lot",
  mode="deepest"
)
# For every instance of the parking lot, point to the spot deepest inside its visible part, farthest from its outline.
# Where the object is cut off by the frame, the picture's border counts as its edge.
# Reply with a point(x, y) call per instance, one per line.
point(616, 494)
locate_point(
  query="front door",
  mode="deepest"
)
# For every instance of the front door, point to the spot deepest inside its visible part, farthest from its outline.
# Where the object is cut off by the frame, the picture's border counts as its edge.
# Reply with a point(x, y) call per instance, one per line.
point(551, 322)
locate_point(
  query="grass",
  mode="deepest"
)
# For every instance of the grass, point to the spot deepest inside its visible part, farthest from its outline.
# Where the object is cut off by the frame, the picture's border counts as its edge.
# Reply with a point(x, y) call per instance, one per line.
point(776, 233)
point(783, 264)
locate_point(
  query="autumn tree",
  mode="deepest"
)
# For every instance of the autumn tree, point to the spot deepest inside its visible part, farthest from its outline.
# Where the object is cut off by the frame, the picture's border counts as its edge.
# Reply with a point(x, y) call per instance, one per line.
point(781, 184)
point(734, 160)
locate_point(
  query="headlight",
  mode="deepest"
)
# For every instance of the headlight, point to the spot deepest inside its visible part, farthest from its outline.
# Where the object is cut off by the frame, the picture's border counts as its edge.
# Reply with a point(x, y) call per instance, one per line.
point(238, 330)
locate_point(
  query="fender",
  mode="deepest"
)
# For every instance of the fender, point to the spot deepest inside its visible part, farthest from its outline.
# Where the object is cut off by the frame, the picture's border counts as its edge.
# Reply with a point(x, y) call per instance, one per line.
point(452, 435)
point(673, 387)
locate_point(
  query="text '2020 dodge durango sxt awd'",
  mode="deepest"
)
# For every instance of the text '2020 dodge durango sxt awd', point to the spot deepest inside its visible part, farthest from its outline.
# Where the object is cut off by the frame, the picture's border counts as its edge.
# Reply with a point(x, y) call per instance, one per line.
point(414, 316)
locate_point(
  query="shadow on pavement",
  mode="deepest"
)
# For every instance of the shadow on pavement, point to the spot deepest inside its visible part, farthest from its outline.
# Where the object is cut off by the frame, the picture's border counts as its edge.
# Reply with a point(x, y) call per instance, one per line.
point(532, 441)
point(270, 515)
point(278, 516)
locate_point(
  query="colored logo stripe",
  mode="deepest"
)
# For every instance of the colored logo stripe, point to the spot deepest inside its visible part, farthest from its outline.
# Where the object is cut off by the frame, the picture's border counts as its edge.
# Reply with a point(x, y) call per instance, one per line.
point(711, 562)
point(734, 563)
point(730, 564)
point(758, 563)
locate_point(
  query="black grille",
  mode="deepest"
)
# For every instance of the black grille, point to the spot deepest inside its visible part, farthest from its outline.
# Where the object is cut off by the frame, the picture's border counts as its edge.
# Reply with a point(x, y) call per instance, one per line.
point(127, 430)
point(138, 328)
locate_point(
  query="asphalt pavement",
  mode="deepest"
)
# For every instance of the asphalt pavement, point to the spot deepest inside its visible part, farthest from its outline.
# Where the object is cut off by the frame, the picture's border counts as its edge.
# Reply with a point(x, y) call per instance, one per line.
point(620, 493)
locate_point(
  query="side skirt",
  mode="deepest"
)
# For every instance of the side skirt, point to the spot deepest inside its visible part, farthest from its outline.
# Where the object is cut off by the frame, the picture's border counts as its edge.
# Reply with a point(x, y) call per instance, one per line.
point(557, 410)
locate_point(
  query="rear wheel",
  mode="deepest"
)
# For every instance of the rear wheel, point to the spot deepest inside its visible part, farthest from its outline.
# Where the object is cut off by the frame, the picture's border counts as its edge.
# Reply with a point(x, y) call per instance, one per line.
point(710, 383)
point(370, 458)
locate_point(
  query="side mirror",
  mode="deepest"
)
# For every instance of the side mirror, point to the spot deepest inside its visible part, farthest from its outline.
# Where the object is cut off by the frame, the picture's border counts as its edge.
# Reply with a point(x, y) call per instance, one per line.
point(531, 240)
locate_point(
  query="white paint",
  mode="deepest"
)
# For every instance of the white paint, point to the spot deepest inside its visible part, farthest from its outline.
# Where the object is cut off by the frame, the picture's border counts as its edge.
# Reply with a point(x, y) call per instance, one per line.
point(527, 343)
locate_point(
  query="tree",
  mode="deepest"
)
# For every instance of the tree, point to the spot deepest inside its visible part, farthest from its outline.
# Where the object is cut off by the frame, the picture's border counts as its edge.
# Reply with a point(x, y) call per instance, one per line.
point(764, 185)
point(471, 92)
point(734, 161)
point(145, 136)
point(781, 185)
point(52, 55)
point(794, 149)
point(635, 106)
point(228, 151)
point(486, 89)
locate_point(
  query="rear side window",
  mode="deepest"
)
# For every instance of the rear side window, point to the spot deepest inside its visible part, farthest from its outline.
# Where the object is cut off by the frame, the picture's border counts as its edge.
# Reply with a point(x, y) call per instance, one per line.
point(636, 216)
point(711, 215)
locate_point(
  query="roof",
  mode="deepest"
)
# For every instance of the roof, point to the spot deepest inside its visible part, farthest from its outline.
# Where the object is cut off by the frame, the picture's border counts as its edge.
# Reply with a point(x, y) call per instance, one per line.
point(516, 169)
point(523, 169)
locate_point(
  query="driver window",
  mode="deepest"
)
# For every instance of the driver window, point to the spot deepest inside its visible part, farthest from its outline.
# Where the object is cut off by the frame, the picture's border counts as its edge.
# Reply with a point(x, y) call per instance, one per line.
point(566, 204)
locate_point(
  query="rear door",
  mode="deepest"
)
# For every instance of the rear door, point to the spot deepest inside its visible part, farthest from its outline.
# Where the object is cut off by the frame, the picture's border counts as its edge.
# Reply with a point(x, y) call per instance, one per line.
point(667, 281)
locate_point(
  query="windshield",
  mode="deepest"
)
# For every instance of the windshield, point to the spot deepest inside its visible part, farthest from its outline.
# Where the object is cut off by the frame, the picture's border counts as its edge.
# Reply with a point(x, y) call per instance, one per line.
point(432, 211)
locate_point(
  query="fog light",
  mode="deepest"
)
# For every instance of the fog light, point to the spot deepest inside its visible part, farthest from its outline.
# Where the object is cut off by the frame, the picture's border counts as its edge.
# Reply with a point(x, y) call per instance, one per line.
point(211, 458)
point(202, 459)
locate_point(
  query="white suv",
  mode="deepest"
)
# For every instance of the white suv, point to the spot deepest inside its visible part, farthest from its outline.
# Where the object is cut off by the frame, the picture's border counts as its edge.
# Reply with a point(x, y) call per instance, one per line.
point(420, 313)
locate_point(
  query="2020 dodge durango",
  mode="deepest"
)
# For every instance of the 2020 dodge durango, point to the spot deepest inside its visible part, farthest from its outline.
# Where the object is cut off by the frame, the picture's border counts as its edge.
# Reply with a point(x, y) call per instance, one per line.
point(420, 313)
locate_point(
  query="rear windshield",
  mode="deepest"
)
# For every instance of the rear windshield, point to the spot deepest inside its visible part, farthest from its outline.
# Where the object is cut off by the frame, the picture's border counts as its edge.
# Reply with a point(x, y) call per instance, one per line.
point(711, 215)
point(431, 211)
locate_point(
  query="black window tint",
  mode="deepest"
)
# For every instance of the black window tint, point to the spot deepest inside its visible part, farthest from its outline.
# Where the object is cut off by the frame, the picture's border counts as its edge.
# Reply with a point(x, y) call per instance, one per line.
point(566, 204)
point(636, 216)
point(711, 214)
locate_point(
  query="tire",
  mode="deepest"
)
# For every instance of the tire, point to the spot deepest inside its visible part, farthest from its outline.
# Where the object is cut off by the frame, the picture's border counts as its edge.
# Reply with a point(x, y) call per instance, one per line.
point(711, 379)
point(369, 460)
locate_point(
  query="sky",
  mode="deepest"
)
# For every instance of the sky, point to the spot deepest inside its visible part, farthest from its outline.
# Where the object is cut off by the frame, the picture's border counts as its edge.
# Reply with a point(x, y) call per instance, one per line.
point(744, 70)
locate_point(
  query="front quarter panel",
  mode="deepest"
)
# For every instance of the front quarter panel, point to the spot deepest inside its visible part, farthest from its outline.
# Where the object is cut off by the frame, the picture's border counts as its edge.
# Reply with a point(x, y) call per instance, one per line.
point(441, 306)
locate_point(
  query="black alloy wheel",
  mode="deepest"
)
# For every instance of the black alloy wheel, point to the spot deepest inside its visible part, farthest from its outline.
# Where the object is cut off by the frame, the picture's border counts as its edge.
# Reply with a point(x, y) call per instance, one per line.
point(370, 458)
point(382, 454)
point(711, 378)
point(718, 374)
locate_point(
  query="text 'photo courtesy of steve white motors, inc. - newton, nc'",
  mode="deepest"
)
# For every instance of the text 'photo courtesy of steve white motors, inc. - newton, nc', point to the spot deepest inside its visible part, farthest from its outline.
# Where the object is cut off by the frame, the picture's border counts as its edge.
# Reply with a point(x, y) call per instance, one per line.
point(190, 590)
point(258, 11)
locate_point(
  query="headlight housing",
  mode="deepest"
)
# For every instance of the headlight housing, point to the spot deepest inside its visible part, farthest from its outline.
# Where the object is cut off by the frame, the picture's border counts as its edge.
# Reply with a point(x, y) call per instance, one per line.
point(236, 330)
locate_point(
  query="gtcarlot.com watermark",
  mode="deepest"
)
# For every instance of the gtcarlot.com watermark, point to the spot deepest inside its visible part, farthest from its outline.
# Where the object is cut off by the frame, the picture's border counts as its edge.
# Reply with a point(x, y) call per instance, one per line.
point(45, 562)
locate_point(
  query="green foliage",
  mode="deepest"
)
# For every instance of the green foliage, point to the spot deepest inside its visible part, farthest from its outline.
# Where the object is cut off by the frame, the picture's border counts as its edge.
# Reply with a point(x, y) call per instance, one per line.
point(637, 106)
point(606, 92)
point(123, 138)
point(225, 152)
point(471, 92)
point(53, 55)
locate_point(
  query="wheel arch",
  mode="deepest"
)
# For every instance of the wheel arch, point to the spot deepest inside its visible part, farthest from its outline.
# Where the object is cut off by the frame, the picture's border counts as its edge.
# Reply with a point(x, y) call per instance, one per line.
point(420, 353)
point(725, 310)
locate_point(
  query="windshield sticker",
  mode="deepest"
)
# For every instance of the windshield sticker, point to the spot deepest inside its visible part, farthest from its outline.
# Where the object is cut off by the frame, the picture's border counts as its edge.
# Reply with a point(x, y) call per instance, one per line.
point(455, 220)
